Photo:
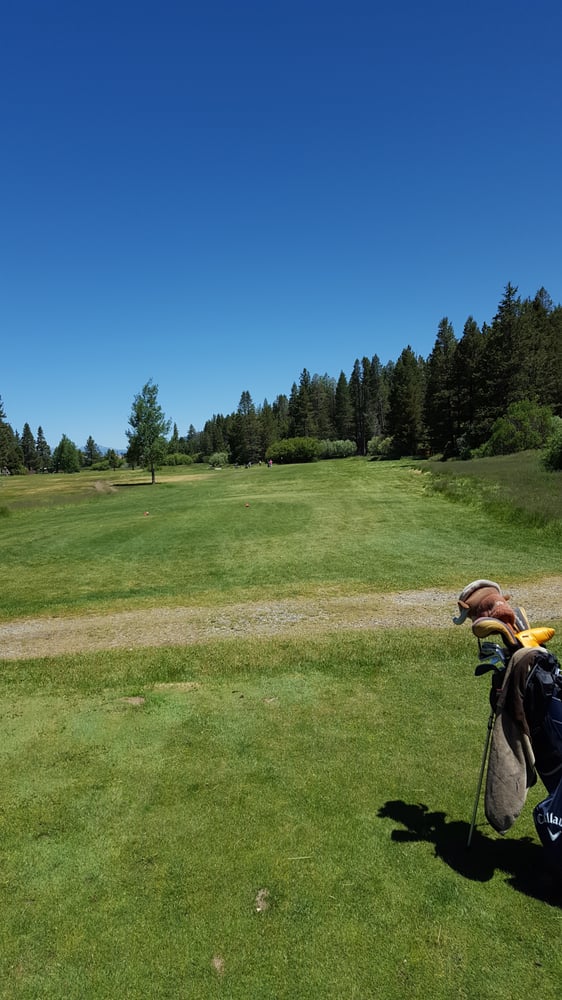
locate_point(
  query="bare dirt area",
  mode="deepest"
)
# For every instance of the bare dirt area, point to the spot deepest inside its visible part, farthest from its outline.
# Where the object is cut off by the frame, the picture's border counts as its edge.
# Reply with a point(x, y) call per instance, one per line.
point(291, 618)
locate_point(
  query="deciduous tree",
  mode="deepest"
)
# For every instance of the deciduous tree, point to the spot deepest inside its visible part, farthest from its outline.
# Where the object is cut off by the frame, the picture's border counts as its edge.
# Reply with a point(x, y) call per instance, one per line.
point(66, 457)
point(147, 431)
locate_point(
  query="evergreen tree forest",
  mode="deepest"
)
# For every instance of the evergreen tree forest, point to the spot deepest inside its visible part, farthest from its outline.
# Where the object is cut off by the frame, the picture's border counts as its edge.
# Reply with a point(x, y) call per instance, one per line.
point(486, 391)
point(450, 404)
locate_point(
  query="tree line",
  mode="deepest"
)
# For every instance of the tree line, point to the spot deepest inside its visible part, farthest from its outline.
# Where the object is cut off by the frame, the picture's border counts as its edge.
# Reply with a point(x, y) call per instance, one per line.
point(449, 404)
point(493, 389)
point(23, 453)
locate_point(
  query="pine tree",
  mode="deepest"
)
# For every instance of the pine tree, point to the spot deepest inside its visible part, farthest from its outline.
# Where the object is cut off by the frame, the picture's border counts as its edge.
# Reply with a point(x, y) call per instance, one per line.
point(498, 373)
point(322, 398)
point(245, 443)
point(11, 454)
point(280, 410)
point(43, 452)
point(376, 390)
point(343, 416)
point(29, 449)
point(555, 358)
point(267, 426)
point(221, 432)
point(536, 376)
point(357, 396)
point(303, 419)
point(191, 440)
point(465, 368)
point(439, 406)
point(293, 409)
point(91, 452)
point(174, 442)
point(406, 404)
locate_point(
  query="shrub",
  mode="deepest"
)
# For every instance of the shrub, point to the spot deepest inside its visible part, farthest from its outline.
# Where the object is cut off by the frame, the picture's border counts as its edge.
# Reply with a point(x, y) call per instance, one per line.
point(178, 458)
point(380, 447)
point(218, 458)
point(525, 426)
point(301, 449)
point(552, 455)
point(337, 449)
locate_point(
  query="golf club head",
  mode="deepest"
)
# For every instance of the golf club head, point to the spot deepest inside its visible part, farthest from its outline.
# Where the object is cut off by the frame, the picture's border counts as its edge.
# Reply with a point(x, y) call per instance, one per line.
point(491, 657)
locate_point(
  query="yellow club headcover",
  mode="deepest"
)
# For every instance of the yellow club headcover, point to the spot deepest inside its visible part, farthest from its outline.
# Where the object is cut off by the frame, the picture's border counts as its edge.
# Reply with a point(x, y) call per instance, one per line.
point(535, 636)
point(529, 638)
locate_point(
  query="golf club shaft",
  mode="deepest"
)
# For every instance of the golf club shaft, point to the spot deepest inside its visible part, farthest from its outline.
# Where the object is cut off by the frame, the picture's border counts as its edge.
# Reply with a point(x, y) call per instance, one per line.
point(480, 777)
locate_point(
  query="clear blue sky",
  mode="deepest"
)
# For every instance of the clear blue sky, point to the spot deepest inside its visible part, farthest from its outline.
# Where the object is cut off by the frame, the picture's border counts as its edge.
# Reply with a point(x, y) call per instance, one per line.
point(217, 195)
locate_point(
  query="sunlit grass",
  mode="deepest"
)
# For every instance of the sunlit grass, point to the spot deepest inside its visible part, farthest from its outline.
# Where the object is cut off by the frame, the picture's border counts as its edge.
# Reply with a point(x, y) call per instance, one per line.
point(277, 817)
point(246, 534)
point(512, 486)
point(281, 818)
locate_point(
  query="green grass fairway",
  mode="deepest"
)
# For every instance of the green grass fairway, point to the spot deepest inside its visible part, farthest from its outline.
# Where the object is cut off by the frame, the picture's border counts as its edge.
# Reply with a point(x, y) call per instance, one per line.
point(341, 527)
point(287, 820)
point(281, 818)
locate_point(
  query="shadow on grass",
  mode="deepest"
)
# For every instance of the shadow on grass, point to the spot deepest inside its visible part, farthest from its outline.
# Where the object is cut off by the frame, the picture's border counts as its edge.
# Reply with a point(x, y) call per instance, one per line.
point(522, 860)
point(125, 486)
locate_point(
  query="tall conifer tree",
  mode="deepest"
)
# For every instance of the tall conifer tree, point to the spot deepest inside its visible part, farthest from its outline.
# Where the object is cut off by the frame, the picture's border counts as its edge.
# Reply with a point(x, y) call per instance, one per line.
point(29, 449)
point(406, 403)
point(43, 451)
point(465, 368)
point(343, 416)
point(439, 410)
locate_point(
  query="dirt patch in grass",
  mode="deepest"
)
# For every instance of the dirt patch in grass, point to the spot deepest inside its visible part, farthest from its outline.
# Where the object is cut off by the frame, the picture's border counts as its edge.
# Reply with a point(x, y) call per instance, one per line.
point(218, 964)
point(291, 617)
point(103, 487)
point(262, 901)
point(178, 686)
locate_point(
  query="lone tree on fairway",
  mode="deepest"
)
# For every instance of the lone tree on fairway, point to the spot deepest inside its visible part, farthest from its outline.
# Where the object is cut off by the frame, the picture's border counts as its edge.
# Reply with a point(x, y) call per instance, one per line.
point(147, 436)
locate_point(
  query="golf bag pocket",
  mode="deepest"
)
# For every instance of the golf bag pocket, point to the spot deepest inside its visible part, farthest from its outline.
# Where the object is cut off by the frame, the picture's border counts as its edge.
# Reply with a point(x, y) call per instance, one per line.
point(548, 823)
point(543, 709)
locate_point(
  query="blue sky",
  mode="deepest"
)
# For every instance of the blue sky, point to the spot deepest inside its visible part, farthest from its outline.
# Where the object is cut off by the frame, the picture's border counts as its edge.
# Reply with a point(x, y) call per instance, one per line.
point(215, 196)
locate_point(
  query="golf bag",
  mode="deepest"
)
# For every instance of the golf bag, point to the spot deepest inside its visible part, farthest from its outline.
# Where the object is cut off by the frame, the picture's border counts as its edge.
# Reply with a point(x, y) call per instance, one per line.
point(543, 711)
point(548, 823)
point(526, 699)
point(525, 726)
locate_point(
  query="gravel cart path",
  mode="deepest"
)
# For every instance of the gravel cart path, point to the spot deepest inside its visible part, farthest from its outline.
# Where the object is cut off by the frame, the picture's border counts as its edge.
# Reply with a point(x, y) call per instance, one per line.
point(26, 639)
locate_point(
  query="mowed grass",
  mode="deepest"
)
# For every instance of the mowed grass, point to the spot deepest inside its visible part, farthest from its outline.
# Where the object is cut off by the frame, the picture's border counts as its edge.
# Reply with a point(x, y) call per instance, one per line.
point(114, 542)
point(284, 818)
point(279, 819)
